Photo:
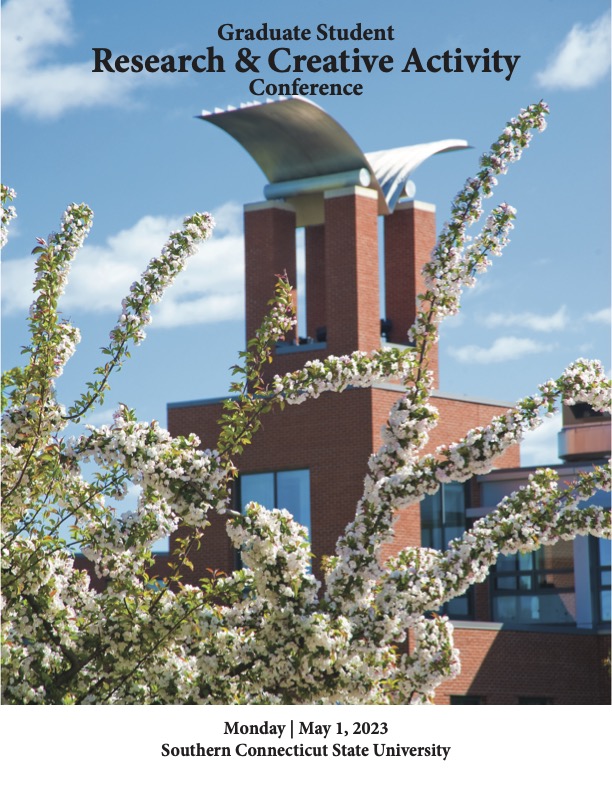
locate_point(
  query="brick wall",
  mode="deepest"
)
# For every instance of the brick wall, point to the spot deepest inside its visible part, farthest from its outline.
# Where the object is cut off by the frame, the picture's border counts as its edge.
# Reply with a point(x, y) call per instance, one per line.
point(410, 236)
point(323, 435)
point(503, 665)
point(269, 231)
point(351, 261)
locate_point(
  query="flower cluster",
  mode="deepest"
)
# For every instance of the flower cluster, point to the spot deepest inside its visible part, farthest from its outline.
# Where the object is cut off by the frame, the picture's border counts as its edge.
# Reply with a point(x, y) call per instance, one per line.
point(158, 276)
point(7, 213)
point(189, 480)
point(433, 660)
point(136, 307)
point(268, 633)
point(456, 258)
point(359, 370)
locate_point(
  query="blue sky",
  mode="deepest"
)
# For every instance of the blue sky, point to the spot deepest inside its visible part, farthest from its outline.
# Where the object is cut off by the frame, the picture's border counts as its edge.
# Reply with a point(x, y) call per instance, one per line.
point(129, 146)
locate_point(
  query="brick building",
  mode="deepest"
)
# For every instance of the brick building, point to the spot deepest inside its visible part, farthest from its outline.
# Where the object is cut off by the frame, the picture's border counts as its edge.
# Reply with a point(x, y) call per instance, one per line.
point(538, 630)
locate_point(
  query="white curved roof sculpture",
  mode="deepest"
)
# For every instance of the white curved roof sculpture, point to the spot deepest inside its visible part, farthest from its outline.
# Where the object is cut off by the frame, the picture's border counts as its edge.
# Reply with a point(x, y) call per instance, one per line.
point(394, 167)
point(303, 151)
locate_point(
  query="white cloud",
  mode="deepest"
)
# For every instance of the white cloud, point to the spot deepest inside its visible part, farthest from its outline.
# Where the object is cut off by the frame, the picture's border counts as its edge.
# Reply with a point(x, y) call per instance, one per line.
point(543, 324)
point(502, 349)
point(540, 447)
point(32, 30)
point(582, 59)
point(604, 316)
point(210, 289)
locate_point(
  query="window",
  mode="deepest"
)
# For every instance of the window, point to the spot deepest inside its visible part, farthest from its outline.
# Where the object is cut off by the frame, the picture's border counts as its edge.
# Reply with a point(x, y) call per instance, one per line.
point(601, 577)
point(443, 519)
point(535, 588)
point(285, 489)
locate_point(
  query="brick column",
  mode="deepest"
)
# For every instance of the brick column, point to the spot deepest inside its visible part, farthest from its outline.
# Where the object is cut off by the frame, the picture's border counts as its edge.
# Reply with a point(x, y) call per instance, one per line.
point(410, 236)
point(351, 277)
point(315, 279)
point(269, 250)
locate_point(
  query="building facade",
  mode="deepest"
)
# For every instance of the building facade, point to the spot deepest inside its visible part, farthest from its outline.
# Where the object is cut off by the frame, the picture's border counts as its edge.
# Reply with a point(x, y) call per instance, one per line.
point(538, 630)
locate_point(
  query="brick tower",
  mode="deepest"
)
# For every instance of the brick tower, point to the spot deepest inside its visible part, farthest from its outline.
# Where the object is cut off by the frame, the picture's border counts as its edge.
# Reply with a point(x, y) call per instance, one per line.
point(326, 443)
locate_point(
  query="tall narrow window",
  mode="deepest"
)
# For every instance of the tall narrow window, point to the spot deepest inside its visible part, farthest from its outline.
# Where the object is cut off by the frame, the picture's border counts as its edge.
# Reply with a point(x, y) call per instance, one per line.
point(601, 578)
point(443, 519)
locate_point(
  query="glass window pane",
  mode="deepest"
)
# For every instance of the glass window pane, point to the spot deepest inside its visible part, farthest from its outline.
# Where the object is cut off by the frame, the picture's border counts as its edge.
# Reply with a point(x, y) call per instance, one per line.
point(505, 582)
point(293, 494)
point(604, 605)
point(506, 563)
point(543, 609)
point(454, 505)
point(258, 487)
point(604, 552)
point(452, 533)
point(505, 609)
point(431, 510)
point(458, 607)
point(558, 580)
point(529, 609)
point(516, 609)
point(437, 539)
point(557, 608)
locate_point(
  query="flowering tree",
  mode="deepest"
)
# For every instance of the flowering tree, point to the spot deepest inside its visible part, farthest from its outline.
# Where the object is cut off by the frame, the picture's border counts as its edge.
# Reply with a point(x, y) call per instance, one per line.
point(268, 633)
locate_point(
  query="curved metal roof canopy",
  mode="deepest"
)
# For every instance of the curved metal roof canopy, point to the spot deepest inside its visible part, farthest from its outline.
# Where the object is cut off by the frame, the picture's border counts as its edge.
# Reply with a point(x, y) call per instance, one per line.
point(303, 151)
